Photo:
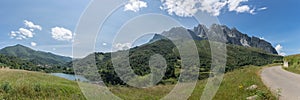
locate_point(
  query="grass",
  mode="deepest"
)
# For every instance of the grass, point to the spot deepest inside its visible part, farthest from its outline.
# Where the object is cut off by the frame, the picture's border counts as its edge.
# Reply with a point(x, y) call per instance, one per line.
point(233, 87)
point(25, 85)
point(17, 84)
point(294, 63)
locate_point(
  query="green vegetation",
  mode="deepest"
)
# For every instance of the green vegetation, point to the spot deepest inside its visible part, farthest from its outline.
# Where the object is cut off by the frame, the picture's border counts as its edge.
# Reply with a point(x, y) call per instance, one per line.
point(21, 57)
point(238, 56)
point(294, 63)
point(18, 84)
point(233, 87)
point(17, 63)
point(36, 57)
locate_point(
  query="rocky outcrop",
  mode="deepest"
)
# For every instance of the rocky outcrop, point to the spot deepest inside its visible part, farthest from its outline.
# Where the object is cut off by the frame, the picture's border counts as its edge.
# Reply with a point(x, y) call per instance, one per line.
point(217, 33)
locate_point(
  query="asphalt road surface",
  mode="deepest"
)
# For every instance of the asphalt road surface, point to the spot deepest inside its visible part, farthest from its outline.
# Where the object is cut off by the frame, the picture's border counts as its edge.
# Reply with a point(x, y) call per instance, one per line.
point(286, 82)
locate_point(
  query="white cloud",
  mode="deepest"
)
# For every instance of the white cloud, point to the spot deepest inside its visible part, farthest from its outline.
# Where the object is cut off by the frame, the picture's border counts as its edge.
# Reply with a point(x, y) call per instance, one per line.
point(120, 46)
point(187, 8)
point(25, 32)
point(33, 44)
point(279, 49)
point(104, 44)
point(213, 7)
point(263, 8)
point(31, 25)
point(135, 5)
point(21, 34)
point(61, 34)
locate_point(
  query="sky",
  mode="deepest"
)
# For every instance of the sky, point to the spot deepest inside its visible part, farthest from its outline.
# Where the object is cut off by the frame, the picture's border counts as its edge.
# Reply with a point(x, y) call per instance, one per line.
point(50, 25)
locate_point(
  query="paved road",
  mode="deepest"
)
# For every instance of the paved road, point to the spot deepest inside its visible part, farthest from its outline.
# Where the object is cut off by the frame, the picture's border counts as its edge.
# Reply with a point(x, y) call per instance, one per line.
point(278, 78)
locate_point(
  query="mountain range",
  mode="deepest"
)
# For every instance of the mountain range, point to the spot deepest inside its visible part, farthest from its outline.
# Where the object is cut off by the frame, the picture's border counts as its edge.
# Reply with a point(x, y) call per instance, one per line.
point(231, 36)
point(39, 58)
point(242, 50)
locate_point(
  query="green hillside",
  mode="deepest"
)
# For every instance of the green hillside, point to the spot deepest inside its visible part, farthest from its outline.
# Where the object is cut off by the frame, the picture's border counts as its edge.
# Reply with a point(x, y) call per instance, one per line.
point(238, 56)
point(25, 85)
point(36, 57)
point(17, 63)
point(294, 63)
point(233, 87)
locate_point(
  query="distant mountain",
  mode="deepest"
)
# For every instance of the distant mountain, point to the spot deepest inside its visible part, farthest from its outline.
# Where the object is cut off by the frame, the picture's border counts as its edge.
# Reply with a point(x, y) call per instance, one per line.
point(242, 50)
point(37, 57)
point(232, 36)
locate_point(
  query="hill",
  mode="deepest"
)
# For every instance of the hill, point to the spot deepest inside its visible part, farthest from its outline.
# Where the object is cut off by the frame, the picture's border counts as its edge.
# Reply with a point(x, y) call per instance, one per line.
point(25, 85)
point(238, 56)
point(16, 63)
point(13, 62)
point(241, 51)
point(37, 57)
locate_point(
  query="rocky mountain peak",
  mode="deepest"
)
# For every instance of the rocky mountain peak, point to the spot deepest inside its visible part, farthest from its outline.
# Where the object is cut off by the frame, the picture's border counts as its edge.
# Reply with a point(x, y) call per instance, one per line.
point(219, 33)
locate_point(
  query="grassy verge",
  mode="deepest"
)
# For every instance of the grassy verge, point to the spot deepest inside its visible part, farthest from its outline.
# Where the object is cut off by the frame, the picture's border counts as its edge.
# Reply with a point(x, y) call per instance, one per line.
point(25, 85)
point(16, 84)
point(233, 87)
point(293, 70)
point(294, 63)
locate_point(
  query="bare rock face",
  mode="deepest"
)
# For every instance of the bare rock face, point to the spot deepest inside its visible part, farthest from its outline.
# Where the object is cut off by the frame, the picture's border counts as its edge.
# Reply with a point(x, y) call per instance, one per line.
point(219, 33)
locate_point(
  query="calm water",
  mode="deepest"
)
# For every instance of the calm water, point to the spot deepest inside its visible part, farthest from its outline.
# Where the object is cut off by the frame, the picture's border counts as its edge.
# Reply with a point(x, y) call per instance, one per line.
point(69, 76)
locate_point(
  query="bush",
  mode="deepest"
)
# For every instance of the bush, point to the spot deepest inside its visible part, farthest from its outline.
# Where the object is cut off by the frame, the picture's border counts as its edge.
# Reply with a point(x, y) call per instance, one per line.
point(37, 87)
point(6, 87)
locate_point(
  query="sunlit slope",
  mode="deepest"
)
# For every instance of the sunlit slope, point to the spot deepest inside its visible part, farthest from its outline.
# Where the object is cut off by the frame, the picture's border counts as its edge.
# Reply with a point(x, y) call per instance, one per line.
point(19, 84)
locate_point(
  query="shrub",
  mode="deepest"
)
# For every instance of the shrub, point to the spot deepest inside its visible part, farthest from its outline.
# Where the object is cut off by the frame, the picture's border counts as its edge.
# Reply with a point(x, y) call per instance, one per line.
point(6, 87)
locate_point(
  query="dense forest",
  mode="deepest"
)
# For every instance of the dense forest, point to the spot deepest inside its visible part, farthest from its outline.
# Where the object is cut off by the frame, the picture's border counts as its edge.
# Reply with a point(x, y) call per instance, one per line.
point(25, 58)
point(17, 63)
point(139, 56)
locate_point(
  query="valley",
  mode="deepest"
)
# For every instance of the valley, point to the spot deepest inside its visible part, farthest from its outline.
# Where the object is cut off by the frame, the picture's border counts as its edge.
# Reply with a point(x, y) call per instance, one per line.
point(244, 56)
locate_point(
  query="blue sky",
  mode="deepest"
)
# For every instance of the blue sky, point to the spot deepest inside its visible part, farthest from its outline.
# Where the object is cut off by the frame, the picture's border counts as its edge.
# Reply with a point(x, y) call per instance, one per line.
point(275, 21)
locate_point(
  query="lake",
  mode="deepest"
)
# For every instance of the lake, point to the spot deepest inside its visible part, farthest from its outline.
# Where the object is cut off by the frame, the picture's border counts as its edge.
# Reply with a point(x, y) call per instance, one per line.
point(70, 76)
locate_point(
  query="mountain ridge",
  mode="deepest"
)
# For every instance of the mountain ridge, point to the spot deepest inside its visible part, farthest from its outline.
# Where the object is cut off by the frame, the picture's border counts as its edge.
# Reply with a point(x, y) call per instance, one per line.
point(232, 36)
point(37, 57)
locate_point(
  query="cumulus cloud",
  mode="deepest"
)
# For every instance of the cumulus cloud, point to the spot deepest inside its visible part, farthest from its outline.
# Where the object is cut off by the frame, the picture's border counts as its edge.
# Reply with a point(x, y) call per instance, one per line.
point(122, 46)
point(213, 7)
point(25, 32)
point(135, 5)
point(183, 8)
point(33, 44)
point(31, 25)
point(279, 49)
point(187, 8)
point(21, 34)
point(61, 34)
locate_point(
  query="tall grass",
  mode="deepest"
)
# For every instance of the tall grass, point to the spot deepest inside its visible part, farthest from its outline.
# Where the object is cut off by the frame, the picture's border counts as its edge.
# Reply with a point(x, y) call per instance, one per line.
point(294, 63)
point(17, 84)
point(233, 87)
